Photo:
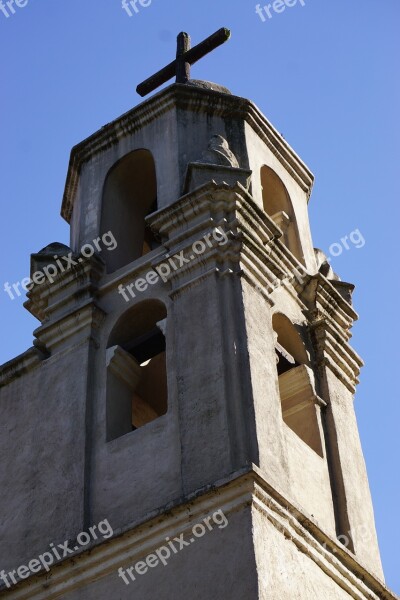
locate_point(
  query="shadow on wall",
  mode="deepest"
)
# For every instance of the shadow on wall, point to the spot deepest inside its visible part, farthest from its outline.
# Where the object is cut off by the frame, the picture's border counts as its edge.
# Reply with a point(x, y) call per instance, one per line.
point(129, 195)
point(278, 205)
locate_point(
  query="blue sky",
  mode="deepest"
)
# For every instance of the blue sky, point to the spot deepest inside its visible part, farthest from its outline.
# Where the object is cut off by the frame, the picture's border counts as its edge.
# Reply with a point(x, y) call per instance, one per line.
point(325, 74)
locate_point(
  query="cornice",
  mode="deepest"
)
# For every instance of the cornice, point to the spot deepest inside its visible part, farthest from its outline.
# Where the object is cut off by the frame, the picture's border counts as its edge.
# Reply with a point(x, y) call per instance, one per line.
point(331, 318)
point(47, 301)
point(255, 246)
point(81, 324)
point(339, 356)
point(326, 303)
point(20, 365)
point(174, 221)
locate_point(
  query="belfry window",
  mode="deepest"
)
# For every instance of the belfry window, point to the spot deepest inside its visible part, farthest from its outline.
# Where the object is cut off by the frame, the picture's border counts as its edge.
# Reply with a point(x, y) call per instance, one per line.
point(129, 195)
point(136, 370)
point(278, 205)
point(299, 401)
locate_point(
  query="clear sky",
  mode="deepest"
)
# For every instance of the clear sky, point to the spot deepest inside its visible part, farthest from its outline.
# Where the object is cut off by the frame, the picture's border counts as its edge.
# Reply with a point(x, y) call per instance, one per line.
point(325, 74)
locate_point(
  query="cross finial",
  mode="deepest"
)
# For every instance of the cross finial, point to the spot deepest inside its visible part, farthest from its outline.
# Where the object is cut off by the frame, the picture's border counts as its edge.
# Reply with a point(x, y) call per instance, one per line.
point(185, 57)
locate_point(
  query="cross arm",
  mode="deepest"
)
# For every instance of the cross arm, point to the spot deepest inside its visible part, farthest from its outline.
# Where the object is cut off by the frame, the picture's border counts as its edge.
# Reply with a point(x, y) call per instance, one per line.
point(156, 80)
point(191, 56)
point(211, 43)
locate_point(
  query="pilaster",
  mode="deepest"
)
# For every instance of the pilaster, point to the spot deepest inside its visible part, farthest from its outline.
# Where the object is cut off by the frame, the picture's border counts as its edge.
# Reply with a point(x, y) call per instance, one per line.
point(338, 366)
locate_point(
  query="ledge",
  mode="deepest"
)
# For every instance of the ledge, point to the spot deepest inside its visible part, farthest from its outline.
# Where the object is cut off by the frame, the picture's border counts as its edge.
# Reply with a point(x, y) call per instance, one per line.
point(20, 365)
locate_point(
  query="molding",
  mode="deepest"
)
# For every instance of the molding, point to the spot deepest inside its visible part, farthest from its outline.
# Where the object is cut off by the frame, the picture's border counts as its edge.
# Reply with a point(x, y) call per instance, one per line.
point(48, 301)
point(122, 364)
point(341, 359)
point(177, 291)
point(20, 365)
point(83, 321)
point(327, 303)
point(254, 250)
point(331, 319)
point(199, 173)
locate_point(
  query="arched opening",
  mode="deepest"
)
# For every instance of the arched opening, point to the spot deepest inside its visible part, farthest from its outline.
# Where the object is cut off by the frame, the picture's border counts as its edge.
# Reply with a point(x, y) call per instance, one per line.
point(278, 205)
point(129, 195)
point(299, 401)
point(136, 369)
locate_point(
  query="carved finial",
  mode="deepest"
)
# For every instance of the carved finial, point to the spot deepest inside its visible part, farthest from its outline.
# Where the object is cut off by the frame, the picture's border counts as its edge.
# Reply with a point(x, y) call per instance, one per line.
point(219, 153)
point(323, 265)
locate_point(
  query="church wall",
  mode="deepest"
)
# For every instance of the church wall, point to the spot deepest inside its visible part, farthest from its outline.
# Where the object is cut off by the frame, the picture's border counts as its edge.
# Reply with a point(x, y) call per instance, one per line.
point(158, 137)
point(193, 444)
point(286, 572)
point(140, 471)
point(289, 464)
point(42, 445)
point(261, 347)
point(309, 481)
point(214, 397)
point(219, 565)
point(196, 130)
point(309, 478)
point(352, 465)
point(260, 155)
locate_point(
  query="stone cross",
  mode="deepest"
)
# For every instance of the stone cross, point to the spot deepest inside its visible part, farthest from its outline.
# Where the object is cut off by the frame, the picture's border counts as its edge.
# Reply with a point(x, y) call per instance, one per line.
point(185, 57)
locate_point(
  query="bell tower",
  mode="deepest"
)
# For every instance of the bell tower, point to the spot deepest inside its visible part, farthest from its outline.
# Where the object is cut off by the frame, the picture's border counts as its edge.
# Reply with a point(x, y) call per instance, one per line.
point(200, 373)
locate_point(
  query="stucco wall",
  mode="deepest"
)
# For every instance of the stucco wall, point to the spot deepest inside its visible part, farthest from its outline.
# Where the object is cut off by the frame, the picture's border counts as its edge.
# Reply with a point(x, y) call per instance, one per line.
point(42, 445)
